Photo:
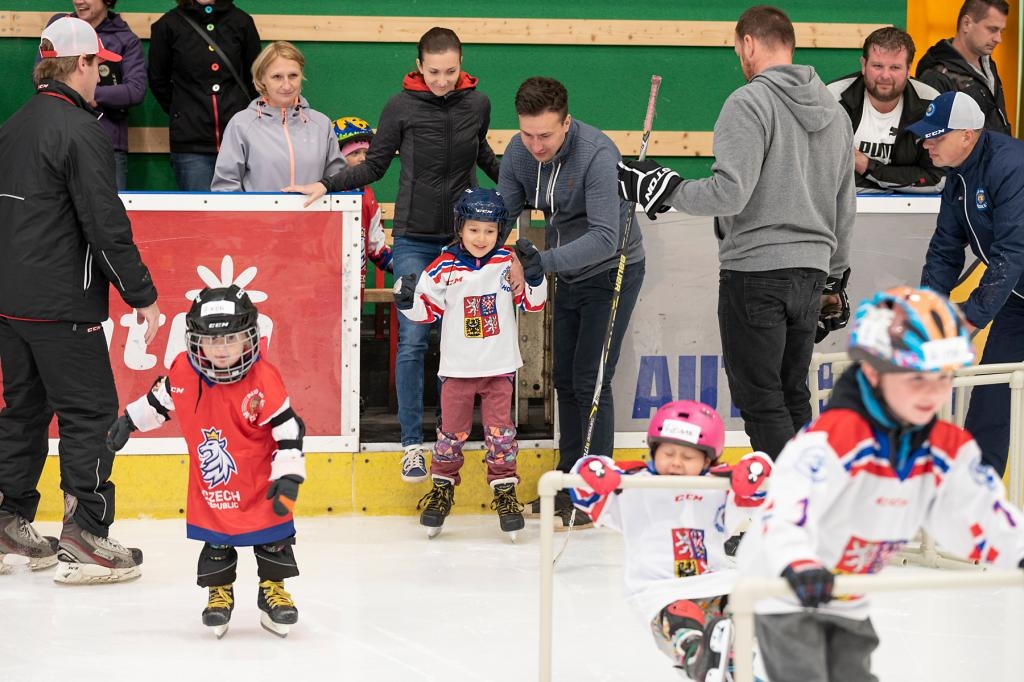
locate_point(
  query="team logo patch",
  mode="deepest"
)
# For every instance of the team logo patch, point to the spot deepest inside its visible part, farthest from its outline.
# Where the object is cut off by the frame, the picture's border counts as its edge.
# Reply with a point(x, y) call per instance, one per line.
point(930, 110)
point(983, 474)
point(252, 404)
point(866, 556)
point(215, 462)
point(812, 464)
point(688, 552)
point(981, 198)
point(480, 316)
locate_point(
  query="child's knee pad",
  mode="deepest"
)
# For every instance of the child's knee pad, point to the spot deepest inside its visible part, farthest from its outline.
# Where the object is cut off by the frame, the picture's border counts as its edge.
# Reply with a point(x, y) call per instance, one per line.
point(448, 447)
point(276, 560)
point(501, 444)
point(217, 564)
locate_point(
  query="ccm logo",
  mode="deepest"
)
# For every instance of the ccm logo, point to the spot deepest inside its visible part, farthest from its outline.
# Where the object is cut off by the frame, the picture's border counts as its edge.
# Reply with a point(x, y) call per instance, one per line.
point(689, 497)
point(219, 325)
point(177, 389)
point(892, 502)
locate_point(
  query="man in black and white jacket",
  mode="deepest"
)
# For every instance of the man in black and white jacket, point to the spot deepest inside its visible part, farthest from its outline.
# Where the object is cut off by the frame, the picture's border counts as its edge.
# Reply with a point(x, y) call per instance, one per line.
point(881, 101)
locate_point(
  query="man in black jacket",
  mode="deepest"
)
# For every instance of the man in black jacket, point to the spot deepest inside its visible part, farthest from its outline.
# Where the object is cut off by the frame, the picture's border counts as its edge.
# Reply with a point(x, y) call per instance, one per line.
point(881, 101)
point(964, 62)
point(65, 239)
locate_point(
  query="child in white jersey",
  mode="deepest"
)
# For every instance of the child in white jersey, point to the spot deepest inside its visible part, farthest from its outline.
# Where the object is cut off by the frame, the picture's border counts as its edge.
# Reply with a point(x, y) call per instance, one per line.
point(677, 573)
point(859, 481)
point(468, 288)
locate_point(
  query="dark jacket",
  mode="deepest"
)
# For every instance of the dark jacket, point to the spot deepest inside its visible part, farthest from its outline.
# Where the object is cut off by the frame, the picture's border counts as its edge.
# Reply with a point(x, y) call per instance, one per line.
point(982, 206)
point(910, 166)
point(945, 69)
point(65, 231)
point(439, 140)
point(122, 84)
point(190, 82)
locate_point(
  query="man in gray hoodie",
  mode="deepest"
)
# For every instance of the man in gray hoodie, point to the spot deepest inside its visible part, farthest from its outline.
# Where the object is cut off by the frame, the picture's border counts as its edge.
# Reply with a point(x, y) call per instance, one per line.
point(783, 195)
point(566, 169)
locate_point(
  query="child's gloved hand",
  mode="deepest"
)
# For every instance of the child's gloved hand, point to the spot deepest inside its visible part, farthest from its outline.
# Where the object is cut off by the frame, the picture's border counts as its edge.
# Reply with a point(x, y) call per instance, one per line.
point(119, 432)
point(405, 291)
point(529, 257)
point(811, 582)
point(601, 477)
point(284, 491)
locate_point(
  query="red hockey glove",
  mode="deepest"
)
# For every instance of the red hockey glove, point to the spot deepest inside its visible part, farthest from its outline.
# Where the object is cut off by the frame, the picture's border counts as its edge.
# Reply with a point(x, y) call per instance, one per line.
point(600, 477)
point(749, 474)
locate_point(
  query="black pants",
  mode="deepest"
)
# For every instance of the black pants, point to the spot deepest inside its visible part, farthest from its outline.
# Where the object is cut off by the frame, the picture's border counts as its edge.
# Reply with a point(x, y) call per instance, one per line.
point(767, 322)
point(274, 561)
point(62, 368)
point(580, 319)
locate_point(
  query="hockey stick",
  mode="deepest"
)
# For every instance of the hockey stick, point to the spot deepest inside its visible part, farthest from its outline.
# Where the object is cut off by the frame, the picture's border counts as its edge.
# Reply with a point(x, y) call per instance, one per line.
point(596, 401)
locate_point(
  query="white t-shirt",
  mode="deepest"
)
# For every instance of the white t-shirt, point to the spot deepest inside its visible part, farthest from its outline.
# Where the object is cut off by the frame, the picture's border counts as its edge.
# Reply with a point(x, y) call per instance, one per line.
point(876, 133)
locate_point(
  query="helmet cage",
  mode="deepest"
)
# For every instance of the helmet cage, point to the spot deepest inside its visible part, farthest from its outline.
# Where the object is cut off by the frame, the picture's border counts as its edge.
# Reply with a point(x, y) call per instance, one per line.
point(217, 313)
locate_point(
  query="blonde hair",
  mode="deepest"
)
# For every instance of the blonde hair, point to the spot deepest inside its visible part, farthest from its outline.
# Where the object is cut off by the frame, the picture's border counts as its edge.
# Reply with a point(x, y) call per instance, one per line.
point(281, 48)
point(56, 68)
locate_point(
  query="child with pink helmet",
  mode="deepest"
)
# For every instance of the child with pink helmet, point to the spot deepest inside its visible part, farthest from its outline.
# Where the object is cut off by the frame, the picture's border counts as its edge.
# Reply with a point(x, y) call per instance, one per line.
point(677, 573)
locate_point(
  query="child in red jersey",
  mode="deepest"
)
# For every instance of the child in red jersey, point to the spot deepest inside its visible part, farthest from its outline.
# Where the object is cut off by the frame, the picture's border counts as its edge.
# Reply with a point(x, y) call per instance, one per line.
point(245, 448)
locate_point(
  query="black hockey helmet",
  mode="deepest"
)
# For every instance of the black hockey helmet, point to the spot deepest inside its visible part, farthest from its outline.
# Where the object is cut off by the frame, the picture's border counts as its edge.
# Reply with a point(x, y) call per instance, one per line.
point(222, 312)
point(485, 205)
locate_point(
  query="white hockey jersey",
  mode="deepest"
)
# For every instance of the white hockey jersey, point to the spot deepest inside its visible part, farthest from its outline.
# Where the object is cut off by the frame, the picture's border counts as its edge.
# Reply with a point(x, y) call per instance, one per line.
point(674, 542)
point(473, 298)
point(836, 498)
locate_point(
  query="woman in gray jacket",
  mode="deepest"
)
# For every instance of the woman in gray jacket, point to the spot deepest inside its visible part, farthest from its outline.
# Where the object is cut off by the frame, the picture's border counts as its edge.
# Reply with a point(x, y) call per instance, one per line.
point(278, 140)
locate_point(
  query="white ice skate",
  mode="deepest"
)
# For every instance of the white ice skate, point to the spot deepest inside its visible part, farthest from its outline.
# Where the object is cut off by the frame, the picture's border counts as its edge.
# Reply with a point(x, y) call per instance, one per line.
point(719, 639)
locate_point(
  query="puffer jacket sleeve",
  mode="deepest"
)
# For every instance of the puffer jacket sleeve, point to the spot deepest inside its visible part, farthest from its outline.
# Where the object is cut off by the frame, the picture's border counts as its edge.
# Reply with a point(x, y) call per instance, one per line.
point(383, 146)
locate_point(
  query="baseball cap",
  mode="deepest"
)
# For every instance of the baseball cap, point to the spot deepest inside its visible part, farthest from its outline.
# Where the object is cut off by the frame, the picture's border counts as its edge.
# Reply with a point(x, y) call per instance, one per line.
point(72, 37)
point(949, 111)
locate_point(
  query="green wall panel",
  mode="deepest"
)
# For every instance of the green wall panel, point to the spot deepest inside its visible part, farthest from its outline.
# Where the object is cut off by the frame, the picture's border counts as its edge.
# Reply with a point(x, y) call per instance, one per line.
point(608, 85)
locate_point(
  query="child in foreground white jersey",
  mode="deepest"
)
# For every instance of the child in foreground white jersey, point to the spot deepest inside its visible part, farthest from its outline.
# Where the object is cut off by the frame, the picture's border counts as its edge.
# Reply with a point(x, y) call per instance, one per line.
point(859, 481)
point(469, 288)
point(677, 573)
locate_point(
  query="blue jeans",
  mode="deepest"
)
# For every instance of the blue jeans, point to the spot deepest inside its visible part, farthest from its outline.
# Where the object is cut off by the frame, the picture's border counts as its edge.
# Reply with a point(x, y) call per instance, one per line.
point(767, 322)
point(194, 172)
point(580, 319)
point(988, 418)
point(411, 257)
point(121, 169)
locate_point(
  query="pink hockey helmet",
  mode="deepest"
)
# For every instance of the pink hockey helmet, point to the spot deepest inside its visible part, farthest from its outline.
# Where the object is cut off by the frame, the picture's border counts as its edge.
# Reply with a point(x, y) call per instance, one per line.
point(688, 422)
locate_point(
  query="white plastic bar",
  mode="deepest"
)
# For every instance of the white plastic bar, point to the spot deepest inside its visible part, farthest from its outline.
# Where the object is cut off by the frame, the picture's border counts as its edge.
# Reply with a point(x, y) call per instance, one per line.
point(750, 589)
point(550, 483)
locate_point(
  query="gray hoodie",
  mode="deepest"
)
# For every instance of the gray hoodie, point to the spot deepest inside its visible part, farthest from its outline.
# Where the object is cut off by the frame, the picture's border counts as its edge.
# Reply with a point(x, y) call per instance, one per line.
point(267, 148)
point(782, 186)
point(578, 192)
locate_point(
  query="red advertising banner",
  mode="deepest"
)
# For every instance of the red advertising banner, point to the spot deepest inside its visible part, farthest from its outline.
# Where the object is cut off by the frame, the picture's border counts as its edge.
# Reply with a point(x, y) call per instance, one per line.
point(290, 263)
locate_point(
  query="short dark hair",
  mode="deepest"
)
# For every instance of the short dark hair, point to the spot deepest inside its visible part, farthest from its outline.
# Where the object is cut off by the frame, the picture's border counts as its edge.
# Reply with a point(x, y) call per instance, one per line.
point(890, 39)
point(977, 9)
point(768, 24)
point(539, 94)
point(438, 40)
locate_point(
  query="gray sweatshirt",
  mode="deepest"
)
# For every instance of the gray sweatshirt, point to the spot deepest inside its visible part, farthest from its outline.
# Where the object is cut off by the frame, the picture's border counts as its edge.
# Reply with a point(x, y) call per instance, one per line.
point(782, 187)
point(578, 192)
point(266, 148)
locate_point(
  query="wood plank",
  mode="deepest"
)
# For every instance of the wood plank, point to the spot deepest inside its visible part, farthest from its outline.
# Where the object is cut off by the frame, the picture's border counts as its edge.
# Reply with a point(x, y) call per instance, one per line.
point(502, 31)
point(664, 143)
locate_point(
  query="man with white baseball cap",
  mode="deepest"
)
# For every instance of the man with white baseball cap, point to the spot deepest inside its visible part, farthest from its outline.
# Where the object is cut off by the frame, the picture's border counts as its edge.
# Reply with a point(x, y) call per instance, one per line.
point(65, 240)
point(982, 207)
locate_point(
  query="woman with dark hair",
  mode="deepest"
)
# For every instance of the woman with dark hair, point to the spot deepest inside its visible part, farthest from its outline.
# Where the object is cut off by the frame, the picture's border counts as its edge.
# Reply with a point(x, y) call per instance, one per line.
point(122, 84)
point(200, 55)
point(438, 125)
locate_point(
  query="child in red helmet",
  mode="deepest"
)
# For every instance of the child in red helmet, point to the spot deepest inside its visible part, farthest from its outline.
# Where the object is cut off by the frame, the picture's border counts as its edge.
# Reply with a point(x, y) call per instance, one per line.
point(677, 572)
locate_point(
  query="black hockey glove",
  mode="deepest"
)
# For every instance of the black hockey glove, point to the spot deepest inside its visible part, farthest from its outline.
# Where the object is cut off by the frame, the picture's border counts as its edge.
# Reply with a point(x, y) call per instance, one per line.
point(811, 582)
point(529, 258)
point(834, 314)
point(284, 491)
point(647, 184)
point(119, 431)
point(405, 291)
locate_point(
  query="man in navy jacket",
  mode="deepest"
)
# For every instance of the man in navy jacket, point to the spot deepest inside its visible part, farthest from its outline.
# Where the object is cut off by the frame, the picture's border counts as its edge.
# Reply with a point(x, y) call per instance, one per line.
point(983, 207)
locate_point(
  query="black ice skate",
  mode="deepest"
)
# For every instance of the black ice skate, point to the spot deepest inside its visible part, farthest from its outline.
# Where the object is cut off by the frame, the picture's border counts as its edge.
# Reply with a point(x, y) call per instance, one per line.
point(218, 609)
point(84, 558)
point(20, 543)
point(510, 510)
point(436, 505)
point(278, 609)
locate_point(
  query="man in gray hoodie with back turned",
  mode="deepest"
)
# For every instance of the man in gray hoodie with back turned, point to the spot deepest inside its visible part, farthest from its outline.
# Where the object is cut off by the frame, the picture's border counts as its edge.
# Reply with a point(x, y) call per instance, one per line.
point(783, 195)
